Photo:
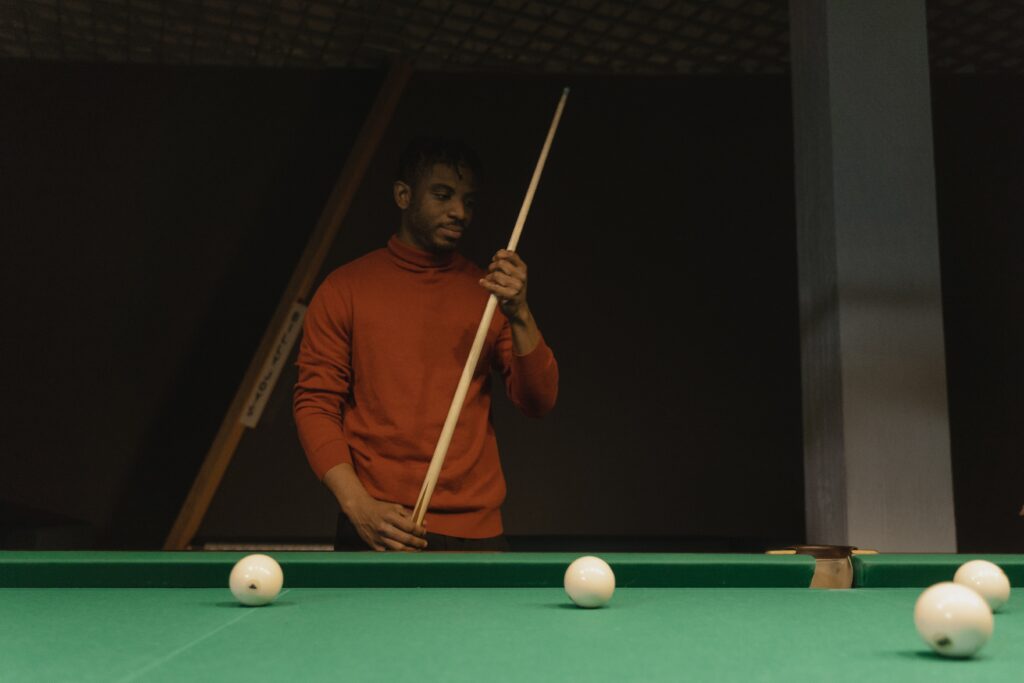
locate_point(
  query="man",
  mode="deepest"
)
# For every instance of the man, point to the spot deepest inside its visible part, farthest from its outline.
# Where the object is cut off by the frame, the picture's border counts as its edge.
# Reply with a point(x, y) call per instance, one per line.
point(385, 341)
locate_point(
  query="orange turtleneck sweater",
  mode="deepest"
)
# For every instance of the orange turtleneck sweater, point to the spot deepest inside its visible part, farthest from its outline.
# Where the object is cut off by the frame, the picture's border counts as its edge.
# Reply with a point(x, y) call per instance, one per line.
point(384, 343)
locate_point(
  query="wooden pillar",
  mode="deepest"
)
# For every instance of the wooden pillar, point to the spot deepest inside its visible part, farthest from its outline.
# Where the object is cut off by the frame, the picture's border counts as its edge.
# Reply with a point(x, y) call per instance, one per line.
point(876, 434)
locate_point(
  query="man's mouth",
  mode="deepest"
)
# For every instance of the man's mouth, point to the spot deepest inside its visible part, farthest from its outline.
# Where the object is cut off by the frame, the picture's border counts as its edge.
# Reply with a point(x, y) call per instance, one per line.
point(452, 232)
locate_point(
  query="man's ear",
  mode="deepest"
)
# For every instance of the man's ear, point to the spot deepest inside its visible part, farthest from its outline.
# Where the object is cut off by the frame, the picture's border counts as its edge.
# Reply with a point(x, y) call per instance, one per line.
point(403, 194)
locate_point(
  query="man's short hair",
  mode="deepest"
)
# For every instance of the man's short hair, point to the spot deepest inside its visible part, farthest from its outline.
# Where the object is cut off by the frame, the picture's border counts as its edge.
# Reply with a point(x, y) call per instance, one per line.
point(422, 153)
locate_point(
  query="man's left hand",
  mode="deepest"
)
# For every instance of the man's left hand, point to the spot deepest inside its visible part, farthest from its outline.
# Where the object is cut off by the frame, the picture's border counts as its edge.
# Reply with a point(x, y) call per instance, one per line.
point(506, 279)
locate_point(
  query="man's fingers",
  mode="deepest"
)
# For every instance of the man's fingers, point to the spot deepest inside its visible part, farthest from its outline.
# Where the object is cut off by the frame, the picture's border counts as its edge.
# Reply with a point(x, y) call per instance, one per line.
point(404, 530)
point(498, 291)
point(401, 519)
point(502, 286)
point(404, 540)
point(505, 280)
point(391, 544)
point(390, 526)
point(507, 268)
point(393, 539)
point(510, 286)
point(511, 256)
point(373, 540)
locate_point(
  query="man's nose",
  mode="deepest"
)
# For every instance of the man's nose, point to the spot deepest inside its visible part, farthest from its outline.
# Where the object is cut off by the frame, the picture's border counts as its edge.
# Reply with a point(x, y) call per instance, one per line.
point(457, 209)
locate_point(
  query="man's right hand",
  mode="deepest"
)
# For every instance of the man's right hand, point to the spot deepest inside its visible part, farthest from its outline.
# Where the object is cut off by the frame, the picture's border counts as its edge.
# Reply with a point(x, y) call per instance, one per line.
point(386, 526)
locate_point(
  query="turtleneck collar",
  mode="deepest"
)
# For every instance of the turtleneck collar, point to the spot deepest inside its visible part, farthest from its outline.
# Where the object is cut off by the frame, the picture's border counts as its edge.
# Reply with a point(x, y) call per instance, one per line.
point(411, 258)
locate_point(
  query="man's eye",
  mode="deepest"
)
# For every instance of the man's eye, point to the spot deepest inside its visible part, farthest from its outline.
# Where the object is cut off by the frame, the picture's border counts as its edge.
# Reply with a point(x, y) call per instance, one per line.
point(442, 196)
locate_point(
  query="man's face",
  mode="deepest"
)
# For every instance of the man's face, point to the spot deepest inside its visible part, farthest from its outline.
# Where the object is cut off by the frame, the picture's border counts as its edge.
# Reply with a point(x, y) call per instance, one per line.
point(438, 208)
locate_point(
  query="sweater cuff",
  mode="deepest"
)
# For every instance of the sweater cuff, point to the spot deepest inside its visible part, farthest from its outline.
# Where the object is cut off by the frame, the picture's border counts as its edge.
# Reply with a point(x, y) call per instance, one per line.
point(537, 362)
point(329, 455)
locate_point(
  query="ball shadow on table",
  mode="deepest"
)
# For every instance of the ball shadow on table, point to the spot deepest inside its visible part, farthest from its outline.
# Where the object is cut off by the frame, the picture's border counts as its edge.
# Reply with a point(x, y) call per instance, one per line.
point(237, 605)
point(935, 657)
point(569, 606)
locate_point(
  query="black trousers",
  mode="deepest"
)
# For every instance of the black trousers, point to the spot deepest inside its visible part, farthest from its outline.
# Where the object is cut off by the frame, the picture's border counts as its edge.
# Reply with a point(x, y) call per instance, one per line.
point(346, 539)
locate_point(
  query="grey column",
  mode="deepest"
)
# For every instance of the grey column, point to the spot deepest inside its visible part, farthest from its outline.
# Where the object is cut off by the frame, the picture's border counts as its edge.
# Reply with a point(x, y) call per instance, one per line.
point(876, 433)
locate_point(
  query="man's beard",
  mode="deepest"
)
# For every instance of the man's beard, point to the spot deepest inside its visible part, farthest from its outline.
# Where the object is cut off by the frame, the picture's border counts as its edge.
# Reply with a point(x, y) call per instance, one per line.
point(435, 242)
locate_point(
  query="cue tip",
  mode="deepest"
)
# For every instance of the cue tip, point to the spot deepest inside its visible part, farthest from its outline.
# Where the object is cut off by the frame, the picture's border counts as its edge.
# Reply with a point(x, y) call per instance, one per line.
point(565, 91)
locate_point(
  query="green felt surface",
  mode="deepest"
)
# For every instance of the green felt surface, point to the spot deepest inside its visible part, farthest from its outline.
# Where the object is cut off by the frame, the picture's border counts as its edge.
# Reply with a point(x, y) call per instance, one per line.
point(474, 634)
point(101, 616)
point(921, 570)
point(399, 570)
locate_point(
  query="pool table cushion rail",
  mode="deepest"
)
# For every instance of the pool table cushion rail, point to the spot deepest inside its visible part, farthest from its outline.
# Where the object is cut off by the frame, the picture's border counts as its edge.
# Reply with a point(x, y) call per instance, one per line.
point(198, 569)
point(910, 570)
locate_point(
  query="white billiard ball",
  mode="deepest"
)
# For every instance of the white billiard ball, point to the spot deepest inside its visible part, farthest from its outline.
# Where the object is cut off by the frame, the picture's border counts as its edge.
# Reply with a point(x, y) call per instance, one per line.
point(954, 620)
point(256, 580)
point(987, 579)
point(589, 581)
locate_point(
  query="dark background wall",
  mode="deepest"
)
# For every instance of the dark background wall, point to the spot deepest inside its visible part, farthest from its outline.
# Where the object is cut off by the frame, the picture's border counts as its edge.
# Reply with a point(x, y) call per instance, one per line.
point(150, 219)
point(152, 216)
point(979, 157)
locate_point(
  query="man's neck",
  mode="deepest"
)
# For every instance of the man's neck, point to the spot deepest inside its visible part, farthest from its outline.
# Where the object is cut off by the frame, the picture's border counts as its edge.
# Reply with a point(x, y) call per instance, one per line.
point(406, 237)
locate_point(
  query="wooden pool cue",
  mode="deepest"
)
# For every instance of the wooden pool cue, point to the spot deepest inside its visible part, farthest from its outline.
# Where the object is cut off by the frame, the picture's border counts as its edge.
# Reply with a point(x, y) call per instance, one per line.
point(437, 461)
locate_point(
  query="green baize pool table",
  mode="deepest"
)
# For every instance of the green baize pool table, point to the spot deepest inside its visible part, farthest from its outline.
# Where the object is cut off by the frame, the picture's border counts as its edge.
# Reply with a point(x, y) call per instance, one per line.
point(169, 616)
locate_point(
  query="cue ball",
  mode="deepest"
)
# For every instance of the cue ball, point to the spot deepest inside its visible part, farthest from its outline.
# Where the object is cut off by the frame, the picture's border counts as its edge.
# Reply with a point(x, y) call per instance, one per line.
point(589, 581)
point(987, 579)
point(953, 619)
point(256, 580)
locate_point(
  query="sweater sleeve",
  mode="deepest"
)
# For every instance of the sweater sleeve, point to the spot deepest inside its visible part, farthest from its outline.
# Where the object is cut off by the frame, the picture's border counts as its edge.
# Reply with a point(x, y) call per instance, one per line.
point(531, 380)
point(324, 380)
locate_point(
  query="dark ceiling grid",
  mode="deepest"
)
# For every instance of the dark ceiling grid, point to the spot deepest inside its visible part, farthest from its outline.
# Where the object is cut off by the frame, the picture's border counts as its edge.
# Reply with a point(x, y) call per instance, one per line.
point(976, 36)
point(345, 37)
point(384, 33)
point(495, 47)
point(709, 42)
point(590, 52)
point(462, 24)
point(257, 45)
point(515, 37)
point(329, 38)
point(60, 32)
point(439, 18)
point(543, 36)
point(651, 54)
point(518, 41)
point(543, 18)
point(383, 43)
point(171, 27)
point(13, 27)
point(614, 32)
point(535, 46)
point(295, 33)
point(137, 46)
point(199, 33)
point(268, 42)
point(529, 30)
point(767, 32)
point(228, 34)
point(354, 26)
point(319, 20)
